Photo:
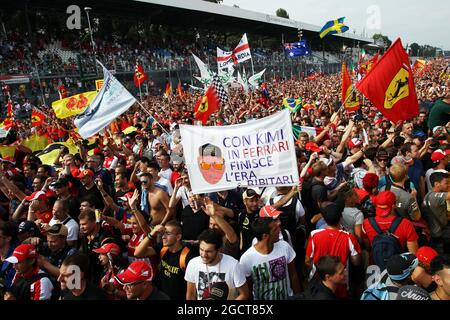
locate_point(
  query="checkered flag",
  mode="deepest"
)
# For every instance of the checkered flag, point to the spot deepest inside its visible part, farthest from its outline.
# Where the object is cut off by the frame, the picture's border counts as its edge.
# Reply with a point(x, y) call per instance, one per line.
point(220, 90)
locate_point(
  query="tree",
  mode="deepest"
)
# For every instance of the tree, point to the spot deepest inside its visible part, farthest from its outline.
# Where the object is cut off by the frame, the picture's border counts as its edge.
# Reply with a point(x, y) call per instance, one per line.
point(282, 13)
point(382, 40)
point(414, 49)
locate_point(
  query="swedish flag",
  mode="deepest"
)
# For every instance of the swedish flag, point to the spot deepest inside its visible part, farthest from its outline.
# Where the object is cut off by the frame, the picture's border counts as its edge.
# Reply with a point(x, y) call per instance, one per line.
point(333, 27)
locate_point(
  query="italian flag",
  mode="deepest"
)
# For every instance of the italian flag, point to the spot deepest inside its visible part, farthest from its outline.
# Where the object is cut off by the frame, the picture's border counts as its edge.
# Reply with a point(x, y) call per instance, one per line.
point(311, 131)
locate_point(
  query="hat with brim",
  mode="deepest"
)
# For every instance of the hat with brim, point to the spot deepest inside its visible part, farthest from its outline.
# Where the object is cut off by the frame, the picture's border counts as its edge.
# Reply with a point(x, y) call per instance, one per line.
point(137, 271)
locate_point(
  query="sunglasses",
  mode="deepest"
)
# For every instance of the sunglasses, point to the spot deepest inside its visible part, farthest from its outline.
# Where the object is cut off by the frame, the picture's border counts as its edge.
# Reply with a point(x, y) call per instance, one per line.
point(383, 160)
point(207, 166)
point(144, 181)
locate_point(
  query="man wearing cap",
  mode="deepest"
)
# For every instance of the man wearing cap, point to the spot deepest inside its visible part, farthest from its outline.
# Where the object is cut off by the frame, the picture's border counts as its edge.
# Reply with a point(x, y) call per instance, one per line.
point(94, 163)
point(382, 160)
point(422, 273)
point(7, 245)
point(211, 267)
point(73, 280)
point(269, 265)
point(384, 217)
point(89, 187)
point(440, 160)
point(61, 215)
point(38, 208)
point(245, 218)
point(440, 269)
point(58, 249)
point(27, 229)
point(30, 282)
point(137, 282)
point(61, 187)
point(399, 270)
point(435, 204)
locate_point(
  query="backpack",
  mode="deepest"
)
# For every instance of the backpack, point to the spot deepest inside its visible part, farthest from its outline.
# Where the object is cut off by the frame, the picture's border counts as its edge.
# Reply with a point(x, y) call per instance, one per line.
point(183, 256)
point(21, 289)
point(385, 244)
point(367, 207)
point(378, 291)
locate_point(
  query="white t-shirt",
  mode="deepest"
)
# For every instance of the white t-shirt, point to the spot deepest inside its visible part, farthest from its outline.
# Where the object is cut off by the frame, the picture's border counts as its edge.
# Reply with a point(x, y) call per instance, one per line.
point(269, 272)
point(351, 217)
point(226, 270)
point(166, 174)
point(72, 227)
point(165, 185)
point(183, 194)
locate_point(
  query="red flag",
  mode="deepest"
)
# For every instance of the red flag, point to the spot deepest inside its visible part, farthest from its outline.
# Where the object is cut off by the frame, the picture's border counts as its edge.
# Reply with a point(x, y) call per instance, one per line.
point(62, 92)
point(139, 75)
point(168, 91)
point(180, 90)
point(9, 112)
point(390, 85)
point(349, 98)
point(207, 105)
point(372, 62)
point(37, 117)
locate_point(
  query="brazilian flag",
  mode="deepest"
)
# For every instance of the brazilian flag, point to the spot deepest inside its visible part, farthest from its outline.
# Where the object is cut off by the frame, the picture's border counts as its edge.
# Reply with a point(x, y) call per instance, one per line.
point(292, 104)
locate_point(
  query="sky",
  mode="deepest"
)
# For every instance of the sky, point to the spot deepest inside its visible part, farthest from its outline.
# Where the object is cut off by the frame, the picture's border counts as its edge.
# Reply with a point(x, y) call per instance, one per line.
point(424, 22)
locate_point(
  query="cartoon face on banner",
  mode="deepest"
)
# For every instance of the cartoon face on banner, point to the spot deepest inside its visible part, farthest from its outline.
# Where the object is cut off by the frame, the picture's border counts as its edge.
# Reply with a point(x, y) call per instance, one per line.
point(211, 163)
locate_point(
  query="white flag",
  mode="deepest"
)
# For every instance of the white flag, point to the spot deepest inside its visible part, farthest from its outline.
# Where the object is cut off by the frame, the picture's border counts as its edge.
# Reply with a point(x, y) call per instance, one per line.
point(224, 59)
point(205, 73)
point(242, 50)
point(258, 153)
point(111, 101)
point(254, 79)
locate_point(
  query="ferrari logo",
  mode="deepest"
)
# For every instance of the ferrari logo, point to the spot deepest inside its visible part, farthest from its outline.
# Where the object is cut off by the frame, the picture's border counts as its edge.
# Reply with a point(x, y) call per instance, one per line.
point(139, 75)
point(203, 105)
point(398, 89)
point(353, 101)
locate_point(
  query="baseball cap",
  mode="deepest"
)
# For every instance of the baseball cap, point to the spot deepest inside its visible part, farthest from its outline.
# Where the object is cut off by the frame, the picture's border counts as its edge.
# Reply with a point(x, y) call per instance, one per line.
point(269, 212)
point(85, 172)
point(218, 291)
point(37, 195)
point(326, 161)
point(137, 271)
point(382, 154)
point(411, 292)
point(111, 248)
point(355, 143)
point(22, 252)
point(61, 182)
point(384, 202)
point(313, 147)
point(439, 154)
point(27, 226)
point(425, 255)
point(419, 134)
point(249, 193)
point(58, 229)
point(400, 266)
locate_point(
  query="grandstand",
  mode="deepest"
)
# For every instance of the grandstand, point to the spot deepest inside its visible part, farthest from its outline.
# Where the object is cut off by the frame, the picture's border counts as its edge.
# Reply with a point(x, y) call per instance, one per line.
point(188, 26)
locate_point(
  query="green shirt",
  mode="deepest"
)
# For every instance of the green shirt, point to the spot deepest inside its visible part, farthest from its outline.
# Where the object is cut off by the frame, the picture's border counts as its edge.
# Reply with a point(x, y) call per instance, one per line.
point(439, 114)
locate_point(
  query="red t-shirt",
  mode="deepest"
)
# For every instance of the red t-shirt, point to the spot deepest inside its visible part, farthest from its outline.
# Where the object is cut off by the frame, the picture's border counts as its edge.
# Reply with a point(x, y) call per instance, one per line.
point(174, 177)
point(405, 231)
point(133, 243)
point(328, 242)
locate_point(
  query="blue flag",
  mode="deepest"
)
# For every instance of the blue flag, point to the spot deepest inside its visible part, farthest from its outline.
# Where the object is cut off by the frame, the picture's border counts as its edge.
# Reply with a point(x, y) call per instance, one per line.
point(297, 49)
point(333, 27)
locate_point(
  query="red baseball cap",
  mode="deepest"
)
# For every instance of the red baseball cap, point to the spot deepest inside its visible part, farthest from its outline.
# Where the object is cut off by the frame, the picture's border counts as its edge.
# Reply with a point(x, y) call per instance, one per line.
point(108, 248)
point(354, 143)
point(86, 172)
point(37, 195)
point(22, 252)
point(137, 271)
point(439, 154)
point(425, 255)
point(384, 202)
point(313, 147)
point(269, 212)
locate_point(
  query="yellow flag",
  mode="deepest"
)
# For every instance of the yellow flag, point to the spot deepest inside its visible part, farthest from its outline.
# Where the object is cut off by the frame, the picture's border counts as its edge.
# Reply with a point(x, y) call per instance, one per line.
point(129, 130)
point(73, 105)
point(35, 142)
point(7, 151)
point(49, 154)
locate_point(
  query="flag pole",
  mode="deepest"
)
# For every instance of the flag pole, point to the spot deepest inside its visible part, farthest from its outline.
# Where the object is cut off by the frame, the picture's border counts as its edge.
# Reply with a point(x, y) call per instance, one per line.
point(148, 113)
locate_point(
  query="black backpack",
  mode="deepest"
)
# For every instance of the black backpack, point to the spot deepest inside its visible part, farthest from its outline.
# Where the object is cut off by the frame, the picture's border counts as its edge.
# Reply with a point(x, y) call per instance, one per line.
point(385, 244)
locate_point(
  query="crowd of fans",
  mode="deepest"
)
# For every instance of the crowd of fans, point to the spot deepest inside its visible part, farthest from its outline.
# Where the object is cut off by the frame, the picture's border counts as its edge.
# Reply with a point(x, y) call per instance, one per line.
point(118, 219)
